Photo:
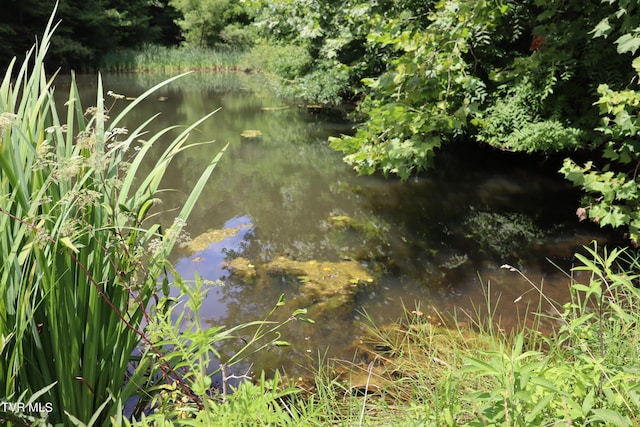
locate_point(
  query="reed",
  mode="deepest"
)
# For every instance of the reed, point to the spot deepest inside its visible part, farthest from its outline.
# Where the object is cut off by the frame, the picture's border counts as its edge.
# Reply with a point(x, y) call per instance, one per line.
point(81, 259)
point(162, 59)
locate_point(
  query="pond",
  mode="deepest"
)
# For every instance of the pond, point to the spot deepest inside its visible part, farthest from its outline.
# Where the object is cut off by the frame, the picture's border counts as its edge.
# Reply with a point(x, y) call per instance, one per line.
point(283, 212)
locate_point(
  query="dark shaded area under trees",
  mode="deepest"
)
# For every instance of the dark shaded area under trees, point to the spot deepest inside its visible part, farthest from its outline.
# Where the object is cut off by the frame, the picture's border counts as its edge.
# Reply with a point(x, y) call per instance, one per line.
point(87, 30)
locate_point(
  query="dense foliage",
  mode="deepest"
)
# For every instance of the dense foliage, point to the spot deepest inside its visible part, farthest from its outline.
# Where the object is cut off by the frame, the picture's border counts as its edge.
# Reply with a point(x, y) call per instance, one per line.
point(81, 259)
point(91, 29)
point(519, 76)
point(207, 23)
point(611, 183)
point(419, 372)
point(88, 29)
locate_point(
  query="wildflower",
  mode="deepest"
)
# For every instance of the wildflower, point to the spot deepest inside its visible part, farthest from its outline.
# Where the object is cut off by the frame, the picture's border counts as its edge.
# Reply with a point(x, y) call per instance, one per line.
point(68, 168)
point(121, 145)
point(52, 129)
point(508, 267)
point(70, 227)
point(44, 155)
point(179, 222)
point(183, 237)
point(124, 167)
point(43, 200)
point(98, 161)
point(155, 246)
point(115, 95)
point(5, 121)
point(86, 140)
point(86, 197)
point(43, 237)
point(115, 183)
point(119, 131)
point(176, 231)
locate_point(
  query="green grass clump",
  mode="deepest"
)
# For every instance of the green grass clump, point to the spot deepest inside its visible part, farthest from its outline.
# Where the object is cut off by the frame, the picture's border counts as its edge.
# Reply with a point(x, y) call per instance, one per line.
point(585, 373)
point(81, 260)
point(163, 59)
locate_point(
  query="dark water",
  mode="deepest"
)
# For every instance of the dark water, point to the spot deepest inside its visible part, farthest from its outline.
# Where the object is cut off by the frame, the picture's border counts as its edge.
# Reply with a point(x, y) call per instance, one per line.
point(435, 242)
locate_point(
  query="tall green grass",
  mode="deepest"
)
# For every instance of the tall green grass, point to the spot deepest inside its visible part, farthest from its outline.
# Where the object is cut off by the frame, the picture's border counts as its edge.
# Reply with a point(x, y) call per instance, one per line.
point(201, 351)
point(81, 258)
point(162, 59)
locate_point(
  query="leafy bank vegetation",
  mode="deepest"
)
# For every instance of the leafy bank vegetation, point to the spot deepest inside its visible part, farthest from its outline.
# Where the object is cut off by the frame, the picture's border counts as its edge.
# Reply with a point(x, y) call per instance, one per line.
point(423, 372)
point(81, 261)
point(85, 323)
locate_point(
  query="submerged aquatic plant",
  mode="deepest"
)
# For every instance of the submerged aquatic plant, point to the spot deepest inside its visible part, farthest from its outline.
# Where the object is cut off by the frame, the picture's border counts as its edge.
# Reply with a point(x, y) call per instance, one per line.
point(501, 234)
point(77, 271)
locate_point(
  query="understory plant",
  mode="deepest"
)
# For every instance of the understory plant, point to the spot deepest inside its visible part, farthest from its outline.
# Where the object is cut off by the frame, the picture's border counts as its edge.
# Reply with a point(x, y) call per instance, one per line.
point(199, 353)
point(81, 258)
point(585, 373)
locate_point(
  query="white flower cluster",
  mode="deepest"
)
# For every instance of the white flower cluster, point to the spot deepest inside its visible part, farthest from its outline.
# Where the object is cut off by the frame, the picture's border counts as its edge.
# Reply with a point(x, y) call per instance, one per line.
point(5, 121)
point(115, 95)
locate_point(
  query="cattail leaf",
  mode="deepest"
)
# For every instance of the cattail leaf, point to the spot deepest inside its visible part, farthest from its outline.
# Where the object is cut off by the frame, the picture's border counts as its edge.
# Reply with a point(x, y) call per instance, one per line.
point(66, 241)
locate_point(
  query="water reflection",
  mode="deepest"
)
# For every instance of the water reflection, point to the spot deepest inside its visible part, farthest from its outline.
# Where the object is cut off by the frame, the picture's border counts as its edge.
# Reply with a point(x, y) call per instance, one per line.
point(209, 263)
point(435, 241)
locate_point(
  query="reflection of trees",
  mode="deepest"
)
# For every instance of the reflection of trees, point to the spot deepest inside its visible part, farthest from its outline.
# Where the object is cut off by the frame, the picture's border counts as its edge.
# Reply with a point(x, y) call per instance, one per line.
point(281, 180)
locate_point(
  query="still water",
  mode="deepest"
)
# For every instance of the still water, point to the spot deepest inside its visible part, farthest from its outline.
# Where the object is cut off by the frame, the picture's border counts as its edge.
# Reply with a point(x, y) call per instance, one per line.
point(434, 243)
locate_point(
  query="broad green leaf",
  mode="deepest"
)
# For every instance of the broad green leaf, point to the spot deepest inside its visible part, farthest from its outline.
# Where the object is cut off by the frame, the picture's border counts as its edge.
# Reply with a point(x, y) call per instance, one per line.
point(479, 366)
point(588, 401)
point(66, 241)
point(24, 253)
point(602, 29)
point(628, 43)
point(610, 417)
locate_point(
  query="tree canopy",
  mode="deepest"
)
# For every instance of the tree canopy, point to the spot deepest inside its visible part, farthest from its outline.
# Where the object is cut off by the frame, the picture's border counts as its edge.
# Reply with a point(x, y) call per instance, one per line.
point(87, 29)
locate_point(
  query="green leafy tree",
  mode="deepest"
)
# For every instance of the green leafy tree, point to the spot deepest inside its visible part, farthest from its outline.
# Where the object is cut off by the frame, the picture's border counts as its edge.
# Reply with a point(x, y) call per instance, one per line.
point(203, 21)
point(428, 93)
point(20, 21)
point(332, 37)
point(517, 75)
point(542, 100)
point(520, 76)
point(612, 183)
